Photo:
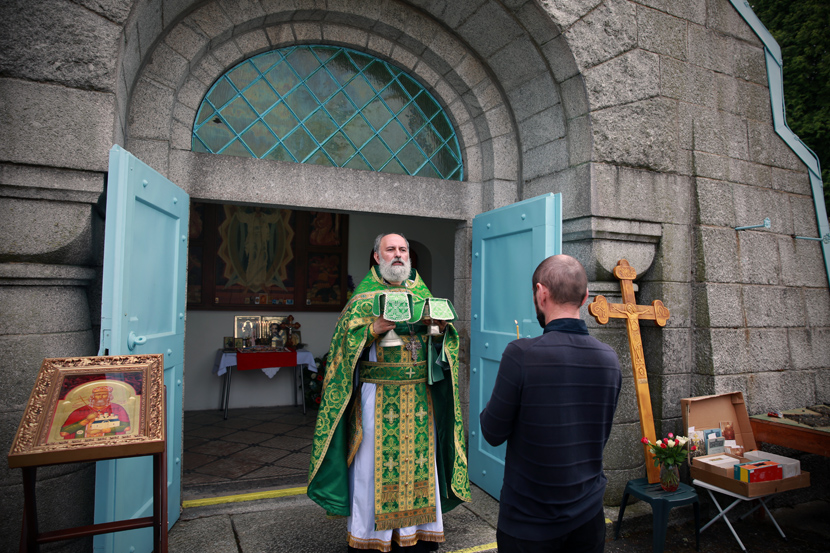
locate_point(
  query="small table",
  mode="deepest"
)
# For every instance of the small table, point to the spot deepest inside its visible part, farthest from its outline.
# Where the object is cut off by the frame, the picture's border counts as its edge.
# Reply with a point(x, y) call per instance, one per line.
point(789, 433)
point(762, 502)
point(270, 362)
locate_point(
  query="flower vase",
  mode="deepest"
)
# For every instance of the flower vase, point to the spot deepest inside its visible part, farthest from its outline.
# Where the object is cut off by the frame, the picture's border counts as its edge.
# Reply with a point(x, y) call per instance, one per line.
point(669, 477)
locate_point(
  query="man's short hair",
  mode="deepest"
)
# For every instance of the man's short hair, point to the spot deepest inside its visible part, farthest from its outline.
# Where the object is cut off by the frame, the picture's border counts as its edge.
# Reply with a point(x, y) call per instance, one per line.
point(564, 277)
point(382, 235)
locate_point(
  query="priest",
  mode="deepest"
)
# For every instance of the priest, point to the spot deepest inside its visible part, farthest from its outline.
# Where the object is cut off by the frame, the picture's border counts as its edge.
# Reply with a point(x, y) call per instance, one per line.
point(388, 448)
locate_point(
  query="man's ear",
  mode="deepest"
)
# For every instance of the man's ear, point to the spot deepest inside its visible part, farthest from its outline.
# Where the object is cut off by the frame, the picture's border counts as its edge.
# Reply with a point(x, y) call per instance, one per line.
point(377, 258)
point(585, 298)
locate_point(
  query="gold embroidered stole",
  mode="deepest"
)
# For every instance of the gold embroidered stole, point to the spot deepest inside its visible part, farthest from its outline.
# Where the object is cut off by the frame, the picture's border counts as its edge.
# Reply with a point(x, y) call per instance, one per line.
point(404, 435)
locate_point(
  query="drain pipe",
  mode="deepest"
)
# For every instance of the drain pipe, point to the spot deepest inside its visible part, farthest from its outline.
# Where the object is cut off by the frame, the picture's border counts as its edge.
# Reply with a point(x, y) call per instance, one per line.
point(775, 75)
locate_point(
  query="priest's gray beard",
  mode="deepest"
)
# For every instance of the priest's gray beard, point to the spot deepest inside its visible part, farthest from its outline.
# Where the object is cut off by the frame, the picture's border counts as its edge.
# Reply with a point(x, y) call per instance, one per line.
point(395, 273)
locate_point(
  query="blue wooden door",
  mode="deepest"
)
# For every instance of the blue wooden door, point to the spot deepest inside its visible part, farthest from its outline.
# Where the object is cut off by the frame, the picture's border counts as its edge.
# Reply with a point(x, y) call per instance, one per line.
point(142, 312)
point(508, 244)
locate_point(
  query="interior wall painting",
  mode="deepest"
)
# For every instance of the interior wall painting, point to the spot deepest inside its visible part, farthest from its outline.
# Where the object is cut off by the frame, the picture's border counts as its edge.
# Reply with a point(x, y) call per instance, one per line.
point(266, 258)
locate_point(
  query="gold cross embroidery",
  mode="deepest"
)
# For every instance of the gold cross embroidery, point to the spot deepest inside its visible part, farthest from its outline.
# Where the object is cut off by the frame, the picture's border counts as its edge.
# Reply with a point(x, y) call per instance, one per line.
point(391, 416)
point(421, 460)
point(410, 372)
point(390, 464)
point(421, 413)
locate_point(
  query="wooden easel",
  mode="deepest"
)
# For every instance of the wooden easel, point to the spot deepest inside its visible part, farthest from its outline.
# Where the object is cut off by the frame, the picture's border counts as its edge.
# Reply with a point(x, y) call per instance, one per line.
point(633, 313)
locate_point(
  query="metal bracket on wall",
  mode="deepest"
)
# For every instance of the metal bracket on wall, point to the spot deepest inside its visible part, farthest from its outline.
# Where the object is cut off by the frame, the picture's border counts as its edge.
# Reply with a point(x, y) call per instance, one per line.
point(766, 224)
point(824, 239)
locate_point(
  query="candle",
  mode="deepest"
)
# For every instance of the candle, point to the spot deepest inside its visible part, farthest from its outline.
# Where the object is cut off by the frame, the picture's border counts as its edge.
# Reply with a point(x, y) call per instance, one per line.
point(517, 328)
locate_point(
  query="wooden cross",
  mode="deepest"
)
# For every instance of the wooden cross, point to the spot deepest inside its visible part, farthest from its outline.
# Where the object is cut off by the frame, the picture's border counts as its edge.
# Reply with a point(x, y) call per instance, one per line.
point(632, 313)
point(289, 325)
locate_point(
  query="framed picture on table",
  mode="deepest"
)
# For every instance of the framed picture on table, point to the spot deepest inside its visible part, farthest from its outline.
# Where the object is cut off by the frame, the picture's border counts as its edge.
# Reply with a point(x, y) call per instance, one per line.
point(245, 326)
point(92, 408)
point(271, 328)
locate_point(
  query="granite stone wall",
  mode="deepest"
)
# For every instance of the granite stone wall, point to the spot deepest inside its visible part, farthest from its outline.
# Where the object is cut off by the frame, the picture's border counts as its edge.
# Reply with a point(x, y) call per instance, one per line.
point(651, 117)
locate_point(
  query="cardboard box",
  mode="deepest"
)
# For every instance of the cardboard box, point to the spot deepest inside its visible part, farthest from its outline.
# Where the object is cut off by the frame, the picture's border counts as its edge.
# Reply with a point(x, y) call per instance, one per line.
point(791, 467)
point(707, 412)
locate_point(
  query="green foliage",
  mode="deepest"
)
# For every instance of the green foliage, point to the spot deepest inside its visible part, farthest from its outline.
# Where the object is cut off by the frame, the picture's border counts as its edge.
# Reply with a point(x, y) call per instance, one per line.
point(802, 29)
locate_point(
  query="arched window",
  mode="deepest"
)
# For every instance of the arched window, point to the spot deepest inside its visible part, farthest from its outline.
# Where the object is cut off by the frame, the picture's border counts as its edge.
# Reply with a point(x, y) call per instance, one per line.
point(332, 106)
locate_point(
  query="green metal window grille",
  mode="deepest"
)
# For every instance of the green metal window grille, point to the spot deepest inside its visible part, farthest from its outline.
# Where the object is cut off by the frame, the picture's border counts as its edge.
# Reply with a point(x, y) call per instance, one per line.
point(328, 106)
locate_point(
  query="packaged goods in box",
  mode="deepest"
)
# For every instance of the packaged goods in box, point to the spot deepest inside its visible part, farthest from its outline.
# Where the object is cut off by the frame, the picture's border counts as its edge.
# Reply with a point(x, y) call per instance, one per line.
point(790, 467)
point(757, 471)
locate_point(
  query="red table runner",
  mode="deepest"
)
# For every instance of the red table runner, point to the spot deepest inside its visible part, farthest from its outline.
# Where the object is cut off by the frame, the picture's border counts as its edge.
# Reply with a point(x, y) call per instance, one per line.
point(265, 359)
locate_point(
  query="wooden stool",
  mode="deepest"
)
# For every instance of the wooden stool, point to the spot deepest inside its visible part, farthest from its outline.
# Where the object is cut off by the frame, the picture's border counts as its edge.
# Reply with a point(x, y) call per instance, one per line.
point(661, 503)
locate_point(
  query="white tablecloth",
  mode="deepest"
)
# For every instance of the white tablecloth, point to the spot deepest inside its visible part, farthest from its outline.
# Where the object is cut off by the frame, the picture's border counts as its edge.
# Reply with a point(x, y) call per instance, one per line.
point(228, 359)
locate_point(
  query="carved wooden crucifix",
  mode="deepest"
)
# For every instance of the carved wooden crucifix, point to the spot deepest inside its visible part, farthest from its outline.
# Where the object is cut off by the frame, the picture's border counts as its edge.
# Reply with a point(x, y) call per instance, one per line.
point(632, 313)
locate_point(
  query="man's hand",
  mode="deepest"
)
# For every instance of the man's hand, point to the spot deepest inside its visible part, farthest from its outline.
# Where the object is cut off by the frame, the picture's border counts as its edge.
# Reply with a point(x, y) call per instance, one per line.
point(382, 326)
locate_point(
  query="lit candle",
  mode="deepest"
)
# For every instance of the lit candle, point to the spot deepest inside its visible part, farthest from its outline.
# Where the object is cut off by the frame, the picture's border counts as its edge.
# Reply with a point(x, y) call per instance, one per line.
point(517, 328)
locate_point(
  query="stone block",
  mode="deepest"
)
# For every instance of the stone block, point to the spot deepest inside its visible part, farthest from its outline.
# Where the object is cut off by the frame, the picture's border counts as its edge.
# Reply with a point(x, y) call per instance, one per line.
point(804, 216)
point(797, 182)
point(768, 349)
point(780, 391)
point(503, 193)
point(560, 58)
point(723, 17)
point(604, 33)
point(758, 257)
point(653, 196)
point(516, 63)
point(627, 412)
point(709, 49)
point(666, 394)
point(772, 306)
point(208, 70)
point(281, 35)
point(64, 236)
point(709, 130)
point(44, 309)
point(716, 255)
point(181, 136)
point(702, 385)
point(642, 134)
point(579, 140)
point(667, 350)
point(573, 183)
point(55, 126)
point(166, 66)
point(754, 101)
point(718, 305)
point(661, 33)
point(823, 386)
point(184, 114)
point(574, 97)
point(566, 12)
point(470, 70)
point(242, 11)
point(673, 255)
point(186, 41)
point(227, 53)
point(714, 201)
point(536, 22)
point(151, 111)
point(534, 96)
point(490, 15)
point(340, 34)
point(82, 54)
point(750, 63)
point(252, 43)
point(818, 307)
point(619, 452)
point(810, 348)
point(152, 152)
point(632, 76)
point(489, 97)
point(676, 296)
point(729, 350)
point(725, 384)
point(543, 127)
point(546, 159)
point(692, 11)
point(802, 263)
point(46, 183)
point(211, 20)
point(24, 354)
point(753, 205)
point(686, 82)
point(768, 148)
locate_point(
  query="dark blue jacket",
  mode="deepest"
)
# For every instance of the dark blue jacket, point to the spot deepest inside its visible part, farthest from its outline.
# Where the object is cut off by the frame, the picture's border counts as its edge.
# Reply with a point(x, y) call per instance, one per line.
point(553, 402)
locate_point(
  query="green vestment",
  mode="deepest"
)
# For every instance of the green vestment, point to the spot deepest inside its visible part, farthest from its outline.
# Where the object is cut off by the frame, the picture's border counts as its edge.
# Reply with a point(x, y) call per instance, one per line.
point(405, 407)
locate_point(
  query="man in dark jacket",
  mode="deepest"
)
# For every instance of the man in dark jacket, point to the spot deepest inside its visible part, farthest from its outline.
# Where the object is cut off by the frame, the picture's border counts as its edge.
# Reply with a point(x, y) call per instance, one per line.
point(553, 402)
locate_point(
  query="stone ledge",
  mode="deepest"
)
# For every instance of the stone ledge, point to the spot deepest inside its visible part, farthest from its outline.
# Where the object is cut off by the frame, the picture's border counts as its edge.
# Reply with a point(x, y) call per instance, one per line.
point(39, 274)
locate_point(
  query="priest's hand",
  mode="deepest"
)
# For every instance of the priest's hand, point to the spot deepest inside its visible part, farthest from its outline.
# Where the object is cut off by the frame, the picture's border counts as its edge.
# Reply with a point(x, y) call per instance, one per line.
point(382, 326)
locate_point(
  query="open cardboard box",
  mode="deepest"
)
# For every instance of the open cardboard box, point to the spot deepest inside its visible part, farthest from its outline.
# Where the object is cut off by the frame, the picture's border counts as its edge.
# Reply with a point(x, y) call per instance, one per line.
point(707, 412)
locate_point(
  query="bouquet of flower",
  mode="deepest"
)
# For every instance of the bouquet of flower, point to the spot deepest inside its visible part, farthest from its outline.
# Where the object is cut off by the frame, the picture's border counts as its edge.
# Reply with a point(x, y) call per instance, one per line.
point(670, 450)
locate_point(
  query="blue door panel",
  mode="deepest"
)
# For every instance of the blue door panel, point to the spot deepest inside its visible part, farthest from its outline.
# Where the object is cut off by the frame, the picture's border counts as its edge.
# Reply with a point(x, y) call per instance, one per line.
point(142, 312)
point(508, 244)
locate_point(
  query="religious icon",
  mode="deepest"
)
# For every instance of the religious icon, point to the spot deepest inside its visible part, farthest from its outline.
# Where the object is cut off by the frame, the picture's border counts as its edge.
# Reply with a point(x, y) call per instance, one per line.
point(246, 326)
point(227, 342)
point(727, 430)
point(323, 279)
point(325, 229)
point(91, 408)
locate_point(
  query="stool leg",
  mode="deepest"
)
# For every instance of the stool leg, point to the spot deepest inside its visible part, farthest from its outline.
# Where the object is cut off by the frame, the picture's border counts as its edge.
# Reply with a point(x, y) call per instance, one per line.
point(620, 517)
point(660, 514)
point(697, 525)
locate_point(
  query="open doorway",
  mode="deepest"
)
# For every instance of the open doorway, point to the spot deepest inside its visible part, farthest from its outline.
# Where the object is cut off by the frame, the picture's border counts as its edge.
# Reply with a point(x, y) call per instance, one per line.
point(265, 441)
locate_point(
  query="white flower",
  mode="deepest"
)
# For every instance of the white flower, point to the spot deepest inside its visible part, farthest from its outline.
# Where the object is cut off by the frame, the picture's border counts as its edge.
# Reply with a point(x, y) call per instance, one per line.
point(671, 443)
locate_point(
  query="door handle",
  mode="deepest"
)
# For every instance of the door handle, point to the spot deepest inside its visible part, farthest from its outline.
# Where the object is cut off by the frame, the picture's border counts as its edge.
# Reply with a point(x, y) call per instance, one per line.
point(133, 340)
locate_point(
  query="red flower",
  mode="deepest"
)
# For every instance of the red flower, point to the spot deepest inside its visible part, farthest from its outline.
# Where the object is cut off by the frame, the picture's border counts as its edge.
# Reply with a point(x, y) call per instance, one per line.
point(317, 399)
point(671, 435)
point(663, 446)
point(694, 448)
point(644, 440)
